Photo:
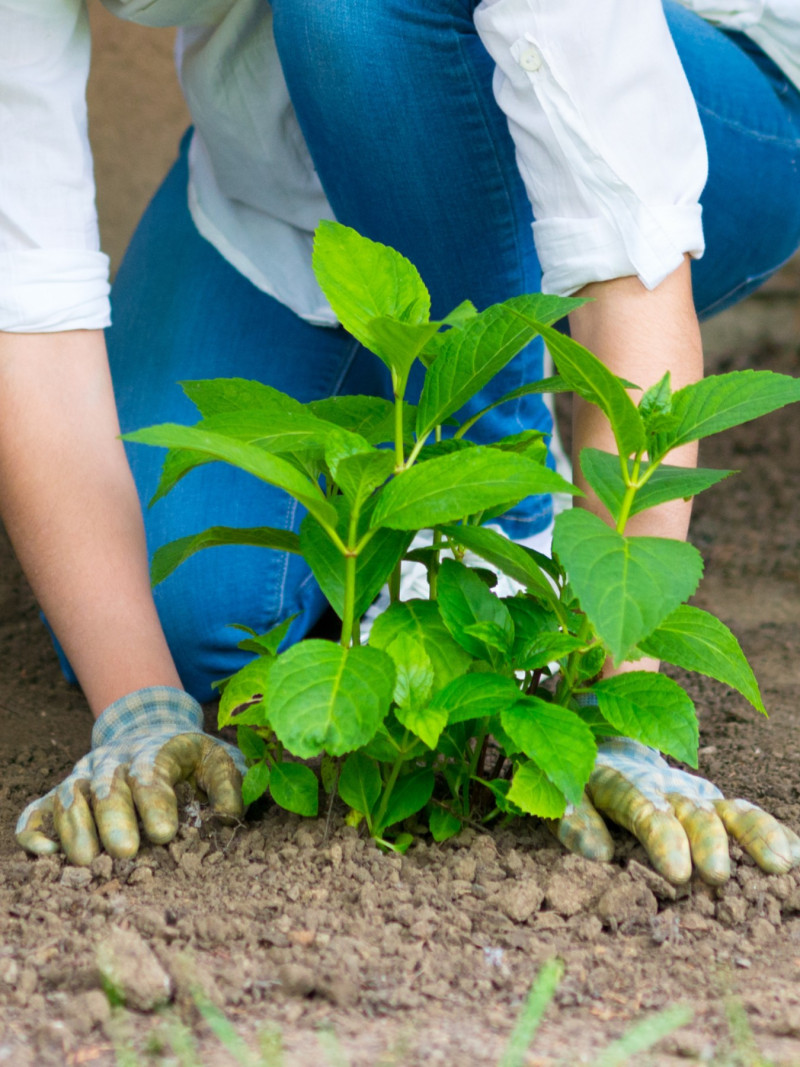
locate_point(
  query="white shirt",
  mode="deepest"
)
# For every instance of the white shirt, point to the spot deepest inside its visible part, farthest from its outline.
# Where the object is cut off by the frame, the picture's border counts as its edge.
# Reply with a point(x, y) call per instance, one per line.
point(614, 176)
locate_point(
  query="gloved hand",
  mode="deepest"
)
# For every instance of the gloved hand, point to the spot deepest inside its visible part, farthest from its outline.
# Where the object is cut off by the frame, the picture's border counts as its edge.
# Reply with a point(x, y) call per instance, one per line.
point(679, 818)
point(141, 746)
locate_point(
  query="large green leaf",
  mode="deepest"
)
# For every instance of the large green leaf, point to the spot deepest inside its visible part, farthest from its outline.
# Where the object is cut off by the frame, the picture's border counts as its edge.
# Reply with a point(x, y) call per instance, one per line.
point(469, 358)
point(533, 792)
point(475, 696)
point(248, 457)
point(626, 585)
point(371, 417)
point(360, 783)
point(374, 564)
point(410, 795)
point(465, 600)
point(724, 400)
point(508, 556)
point(364, 280)
point(697, 641)
point(248, 684)
point(282, 431)
point(650, 708)
point(465, 483)
point(421, 619)
point(213, 396)
point(414, 677)
point(602, 472)
point(555, 739)
point(322, 697)
point(168, 557)
point(589, 378)
point(294, 787)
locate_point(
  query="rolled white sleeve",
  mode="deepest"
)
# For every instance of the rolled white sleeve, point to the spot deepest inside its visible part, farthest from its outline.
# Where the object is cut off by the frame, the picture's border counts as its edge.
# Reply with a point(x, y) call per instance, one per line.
point(53, 275)
point(607, 135)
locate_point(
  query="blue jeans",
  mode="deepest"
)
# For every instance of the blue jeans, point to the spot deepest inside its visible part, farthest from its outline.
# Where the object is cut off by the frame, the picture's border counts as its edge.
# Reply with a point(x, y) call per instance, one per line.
point(396, 105)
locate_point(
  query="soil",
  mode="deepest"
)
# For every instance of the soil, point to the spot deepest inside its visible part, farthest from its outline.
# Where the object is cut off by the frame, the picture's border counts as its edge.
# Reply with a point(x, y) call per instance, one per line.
point(308, 937)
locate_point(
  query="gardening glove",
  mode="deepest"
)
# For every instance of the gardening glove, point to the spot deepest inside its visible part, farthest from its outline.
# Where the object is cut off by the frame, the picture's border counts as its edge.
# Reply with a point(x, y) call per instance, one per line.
point(141, 746)
point(679, 818)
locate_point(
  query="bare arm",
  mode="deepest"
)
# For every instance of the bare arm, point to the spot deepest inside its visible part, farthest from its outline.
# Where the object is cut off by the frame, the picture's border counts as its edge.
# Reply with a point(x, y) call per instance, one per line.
point(639, 334)
point(69, 504)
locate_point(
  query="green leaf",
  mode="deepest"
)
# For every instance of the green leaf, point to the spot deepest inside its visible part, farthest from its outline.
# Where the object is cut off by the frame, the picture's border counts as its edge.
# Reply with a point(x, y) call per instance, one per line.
point(468, 358)
point(600, 727)
point(465, 483)
point(724, 400)
point(443, 825)
point(266, 644)
point(252, 746)
point(358, 474)
point(398, 344)
point(374, 564)
point(178, 462)
point(247, 457)
point(530, 443)
point(170, 556)
point(465, 311)
point(589, 378)
point(413, 671)
point(697, 641)
point(533, 792)
point(360, 783)
point(602, 472)
point(329, 773)
point(248, 684)
point(421, 619)
point(546, 648)
point(463, 600)
point(393, 741)
point(653, 709)
point(413, 688)
point(626, 585)
point(294, 787)
point(214, 396)
point(475, 696)
point(322, 697)
point(255, 782)
point(364, 280)
point(371, 417)
point(508, 556)
point(555, 739)
point(410, 795)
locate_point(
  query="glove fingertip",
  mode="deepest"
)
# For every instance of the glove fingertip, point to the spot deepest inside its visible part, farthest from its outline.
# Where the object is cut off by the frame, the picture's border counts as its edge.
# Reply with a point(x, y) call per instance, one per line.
point(37, 843)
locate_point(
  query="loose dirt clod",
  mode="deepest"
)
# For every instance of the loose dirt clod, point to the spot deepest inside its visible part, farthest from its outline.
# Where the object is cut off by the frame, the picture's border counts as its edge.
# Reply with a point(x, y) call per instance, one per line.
point(129, 967)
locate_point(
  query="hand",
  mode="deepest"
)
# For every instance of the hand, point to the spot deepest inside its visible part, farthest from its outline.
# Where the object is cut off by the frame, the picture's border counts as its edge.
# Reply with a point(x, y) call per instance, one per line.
point(141, 746)
point(679, 818)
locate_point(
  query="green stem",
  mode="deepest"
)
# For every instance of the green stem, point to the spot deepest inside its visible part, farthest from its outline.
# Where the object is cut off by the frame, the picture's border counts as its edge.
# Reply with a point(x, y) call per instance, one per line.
point(399, 452)
point(380, 815)
point(350, 560)
point(632, 486)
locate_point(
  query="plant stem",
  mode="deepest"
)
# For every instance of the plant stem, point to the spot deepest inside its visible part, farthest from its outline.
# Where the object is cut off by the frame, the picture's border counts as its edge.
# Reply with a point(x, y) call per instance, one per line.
point(350, 560)
point(380, 815)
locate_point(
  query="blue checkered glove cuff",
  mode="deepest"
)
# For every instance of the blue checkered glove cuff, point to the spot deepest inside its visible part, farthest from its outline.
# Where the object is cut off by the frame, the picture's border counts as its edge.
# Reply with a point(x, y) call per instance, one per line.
point(147, 711)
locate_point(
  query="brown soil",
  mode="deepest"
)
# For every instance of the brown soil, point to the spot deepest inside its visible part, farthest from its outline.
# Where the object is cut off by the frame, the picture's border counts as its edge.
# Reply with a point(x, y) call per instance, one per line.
point(297, 934)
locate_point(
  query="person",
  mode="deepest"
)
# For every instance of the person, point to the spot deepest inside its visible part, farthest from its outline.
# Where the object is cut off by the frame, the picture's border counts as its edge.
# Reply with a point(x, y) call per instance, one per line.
point(442, 128)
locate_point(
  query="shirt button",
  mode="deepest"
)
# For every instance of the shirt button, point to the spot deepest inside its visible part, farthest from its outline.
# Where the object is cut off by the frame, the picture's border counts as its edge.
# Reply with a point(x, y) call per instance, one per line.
point(530, 59)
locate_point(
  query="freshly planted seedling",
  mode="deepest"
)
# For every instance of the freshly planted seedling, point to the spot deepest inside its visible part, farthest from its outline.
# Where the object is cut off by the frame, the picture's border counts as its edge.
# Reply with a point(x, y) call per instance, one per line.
point(453, 712)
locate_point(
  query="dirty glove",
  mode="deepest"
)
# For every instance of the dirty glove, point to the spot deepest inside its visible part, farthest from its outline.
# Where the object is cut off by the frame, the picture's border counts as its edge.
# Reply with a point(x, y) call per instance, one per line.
point(141, 746)
point(679, 818)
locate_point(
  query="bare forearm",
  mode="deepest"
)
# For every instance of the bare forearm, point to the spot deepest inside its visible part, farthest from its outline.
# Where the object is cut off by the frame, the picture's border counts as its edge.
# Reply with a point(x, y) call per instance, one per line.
point(70, 507)
point(640, 335)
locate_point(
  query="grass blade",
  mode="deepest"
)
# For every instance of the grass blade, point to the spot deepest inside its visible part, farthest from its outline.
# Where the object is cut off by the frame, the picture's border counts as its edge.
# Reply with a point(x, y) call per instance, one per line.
point(542, 992)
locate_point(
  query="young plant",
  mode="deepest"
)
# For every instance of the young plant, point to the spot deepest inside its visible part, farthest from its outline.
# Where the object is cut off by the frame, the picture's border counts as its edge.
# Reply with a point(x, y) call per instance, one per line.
point(452, 711)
